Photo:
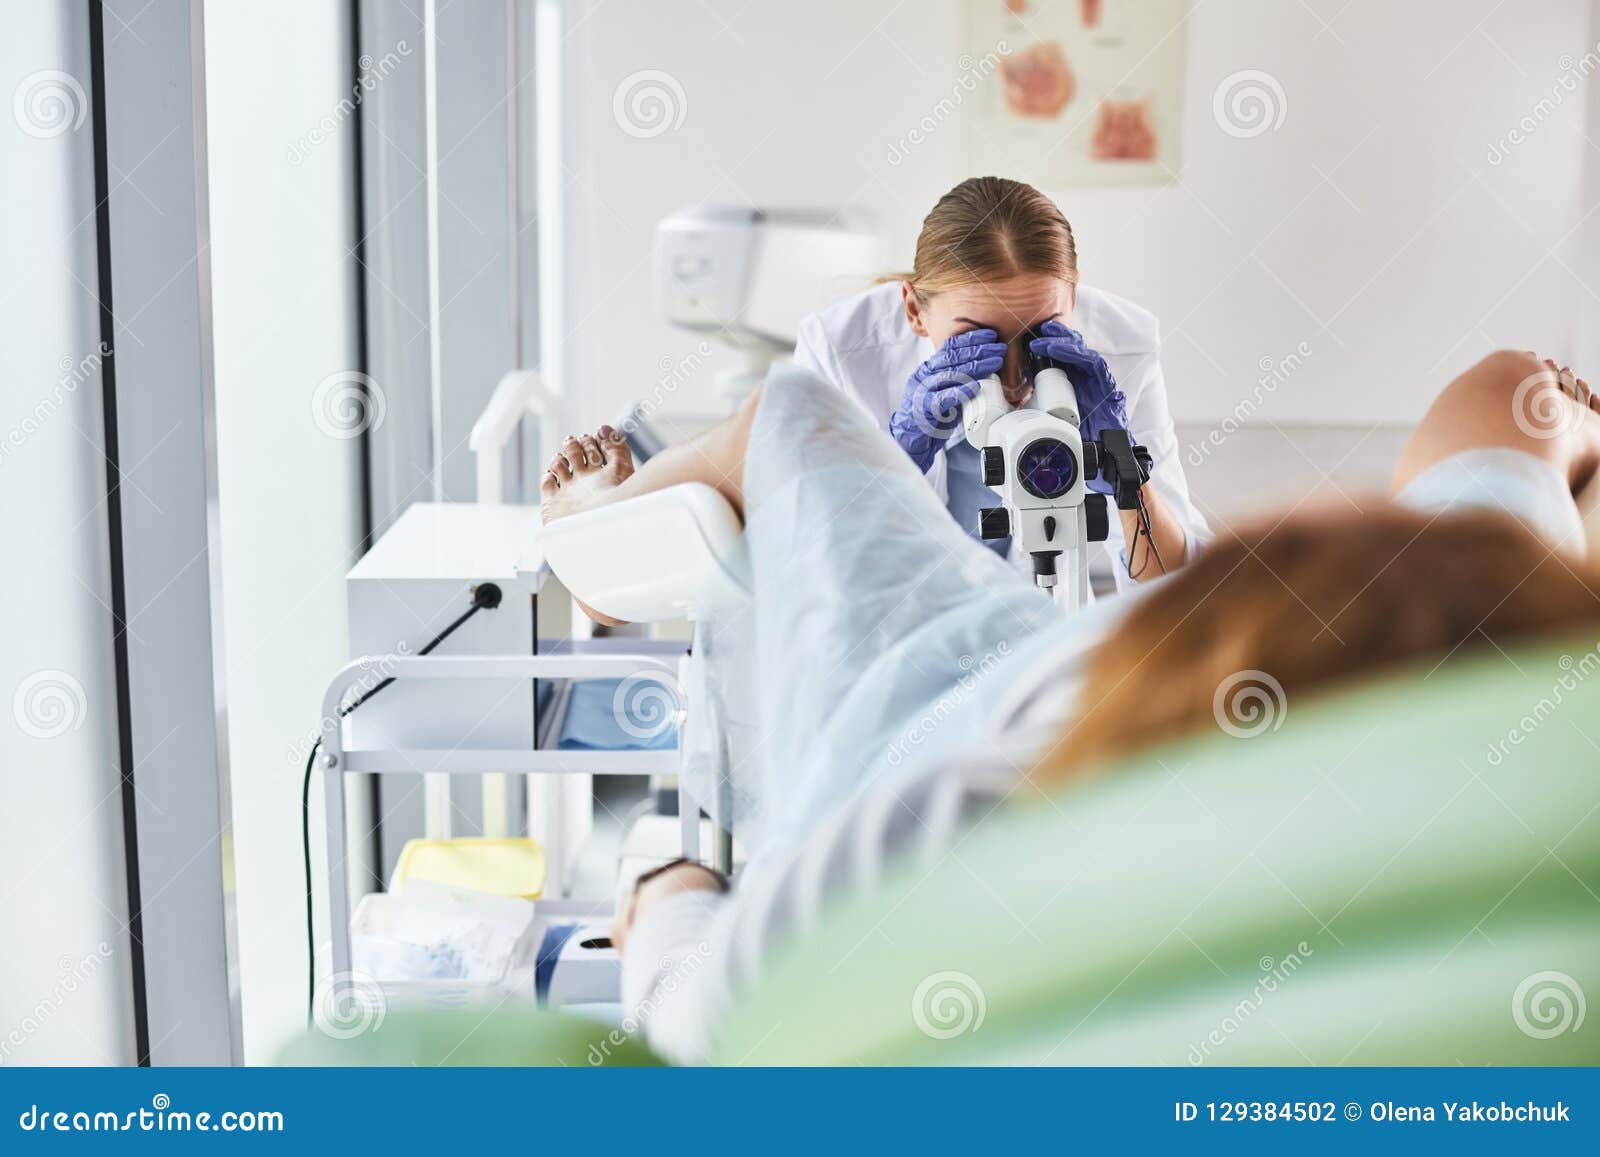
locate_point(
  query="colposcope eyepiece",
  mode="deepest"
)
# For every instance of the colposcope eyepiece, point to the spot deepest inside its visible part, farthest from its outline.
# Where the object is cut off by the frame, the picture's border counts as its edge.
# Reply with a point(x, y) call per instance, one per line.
point(1037, 362)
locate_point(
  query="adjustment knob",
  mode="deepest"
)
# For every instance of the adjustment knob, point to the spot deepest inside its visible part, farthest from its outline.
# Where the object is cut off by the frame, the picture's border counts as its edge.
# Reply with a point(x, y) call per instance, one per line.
point(994, 522)
point(1091, 459)
point(994, 466)
point(1099, 522)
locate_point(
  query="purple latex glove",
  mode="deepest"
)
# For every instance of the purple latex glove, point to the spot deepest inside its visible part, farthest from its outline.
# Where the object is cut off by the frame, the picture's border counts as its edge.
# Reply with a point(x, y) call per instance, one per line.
point(1100, 403)
point(930, 409)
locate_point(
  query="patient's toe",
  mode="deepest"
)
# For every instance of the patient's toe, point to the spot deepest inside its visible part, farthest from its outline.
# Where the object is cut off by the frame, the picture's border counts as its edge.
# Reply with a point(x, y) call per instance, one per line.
point(593, 456)
point(619, 455)
point(549, 484)
point(1586, 393)
point(561, 468)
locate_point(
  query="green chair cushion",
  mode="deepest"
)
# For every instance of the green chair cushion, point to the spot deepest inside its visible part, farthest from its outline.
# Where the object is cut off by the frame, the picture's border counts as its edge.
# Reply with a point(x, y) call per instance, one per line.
point(1381, 877)
point(512, 1034)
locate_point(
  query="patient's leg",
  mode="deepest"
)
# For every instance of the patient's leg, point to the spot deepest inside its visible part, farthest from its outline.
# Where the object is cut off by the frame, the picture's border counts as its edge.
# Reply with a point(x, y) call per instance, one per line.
point(594, 470)
point(1516, 400)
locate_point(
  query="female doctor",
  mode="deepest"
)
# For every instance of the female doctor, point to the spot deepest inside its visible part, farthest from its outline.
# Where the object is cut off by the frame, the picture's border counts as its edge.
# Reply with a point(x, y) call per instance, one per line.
point(995, 262)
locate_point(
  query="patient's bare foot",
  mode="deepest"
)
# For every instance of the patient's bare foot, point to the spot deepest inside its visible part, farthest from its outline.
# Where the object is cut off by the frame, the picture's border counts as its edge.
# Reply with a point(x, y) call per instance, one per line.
point(584, 473)
point(1573, 386)
point(581, 477)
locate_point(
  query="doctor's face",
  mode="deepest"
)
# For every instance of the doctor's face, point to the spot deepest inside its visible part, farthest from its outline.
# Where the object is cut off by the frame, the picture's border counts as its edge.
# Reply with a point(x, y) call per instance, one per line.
point(1010, 306)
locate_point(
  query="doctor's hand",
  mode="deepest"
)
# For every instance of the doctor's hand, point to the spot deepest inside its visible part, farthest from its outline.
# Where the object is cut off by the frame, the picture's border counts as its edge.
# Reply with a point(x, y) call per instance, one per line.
point(1100, 403)
point(930, 410)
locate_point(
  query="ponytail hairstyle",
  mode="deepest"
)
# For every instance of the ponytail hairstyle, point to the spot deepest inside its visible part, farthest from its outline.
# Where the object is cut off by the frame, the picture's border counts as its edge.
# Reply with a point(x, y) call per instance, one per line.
point(986, 229)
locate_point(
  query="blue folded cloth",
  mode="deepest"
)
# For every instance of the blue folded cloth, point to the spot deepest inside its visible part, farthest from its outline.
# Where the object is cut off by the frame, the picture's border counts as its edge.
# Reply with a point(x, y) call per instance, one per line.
point(619, 715)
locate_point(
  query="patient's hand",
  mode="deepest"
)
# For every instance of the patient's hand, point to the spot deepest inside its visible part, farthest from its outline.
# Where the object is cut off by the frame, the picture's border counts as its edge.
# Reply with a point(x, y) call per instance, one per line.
point(650, 891)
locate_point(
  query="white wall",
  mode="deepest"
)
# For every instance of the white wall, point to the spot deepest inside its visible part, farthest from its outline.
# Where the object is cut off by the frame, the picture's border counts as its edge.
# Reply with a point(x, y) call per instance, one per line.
point(281, 231)
point(65, 991)
point(1371, 225)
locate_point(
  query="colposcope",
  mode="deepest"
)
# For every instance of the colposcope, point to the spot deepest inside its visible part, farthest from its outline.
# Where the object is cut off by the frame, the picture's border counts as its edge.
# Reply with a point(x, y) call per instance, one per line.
point(1035, 458)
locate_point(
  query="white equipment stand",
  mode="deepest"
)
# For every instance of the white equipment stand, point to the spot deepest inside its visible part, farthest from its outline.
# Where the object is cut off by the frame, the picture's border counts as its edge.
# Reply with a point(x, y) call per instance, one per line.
point(551, 801)
point(661, 556)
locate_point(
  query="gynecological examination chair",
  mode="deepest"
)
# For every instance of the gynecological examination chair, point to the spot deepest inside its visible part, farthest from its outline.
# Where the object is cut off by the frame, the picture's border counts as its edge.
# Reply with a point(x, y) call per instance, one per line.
point(670, 554)
point(1431, 896)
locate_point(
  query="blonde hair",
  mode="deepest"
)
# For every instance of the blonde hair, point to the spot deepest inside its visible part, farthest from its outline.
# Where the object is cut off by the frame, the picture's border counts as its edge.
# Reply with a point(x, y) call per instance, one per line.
point(988, 228)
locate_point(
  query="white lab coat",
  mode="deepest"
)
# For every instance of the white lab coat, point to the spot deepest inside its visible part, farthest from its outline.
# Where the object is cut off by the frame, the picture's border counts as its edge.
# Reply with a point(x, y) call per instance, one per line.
point(866, 347)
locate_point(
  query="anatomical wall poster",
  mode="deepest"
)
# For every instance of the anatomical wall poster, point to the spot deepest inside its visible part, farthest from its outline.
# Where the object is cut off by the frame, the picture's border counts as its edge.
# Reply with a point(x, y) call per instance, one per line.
point(1074, 92)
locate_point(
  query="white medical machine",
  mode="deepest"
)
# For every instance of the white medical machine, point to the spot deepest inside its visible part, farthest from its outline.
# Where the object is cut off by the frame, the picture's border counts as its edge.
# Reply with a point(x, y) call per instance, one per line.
point(746, 277)
point(1035, 458)
point(414, 581)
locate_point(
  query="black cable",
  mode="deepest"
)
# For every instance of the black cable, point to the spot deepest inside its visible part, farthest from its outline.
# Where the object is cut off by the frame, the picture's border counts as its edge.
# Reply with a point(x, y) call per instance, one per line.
point(439, 638)
point(1142, 527)
point(1141, 531)
point(305, 848)
point(485, 597)
point(1150, 535)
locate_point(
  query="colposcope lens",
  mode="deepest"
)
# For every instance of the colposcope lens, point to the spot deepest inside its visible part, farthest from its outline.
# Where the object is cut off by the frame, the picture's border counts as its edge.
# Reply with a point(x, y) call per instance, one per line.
point(1047, 468)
